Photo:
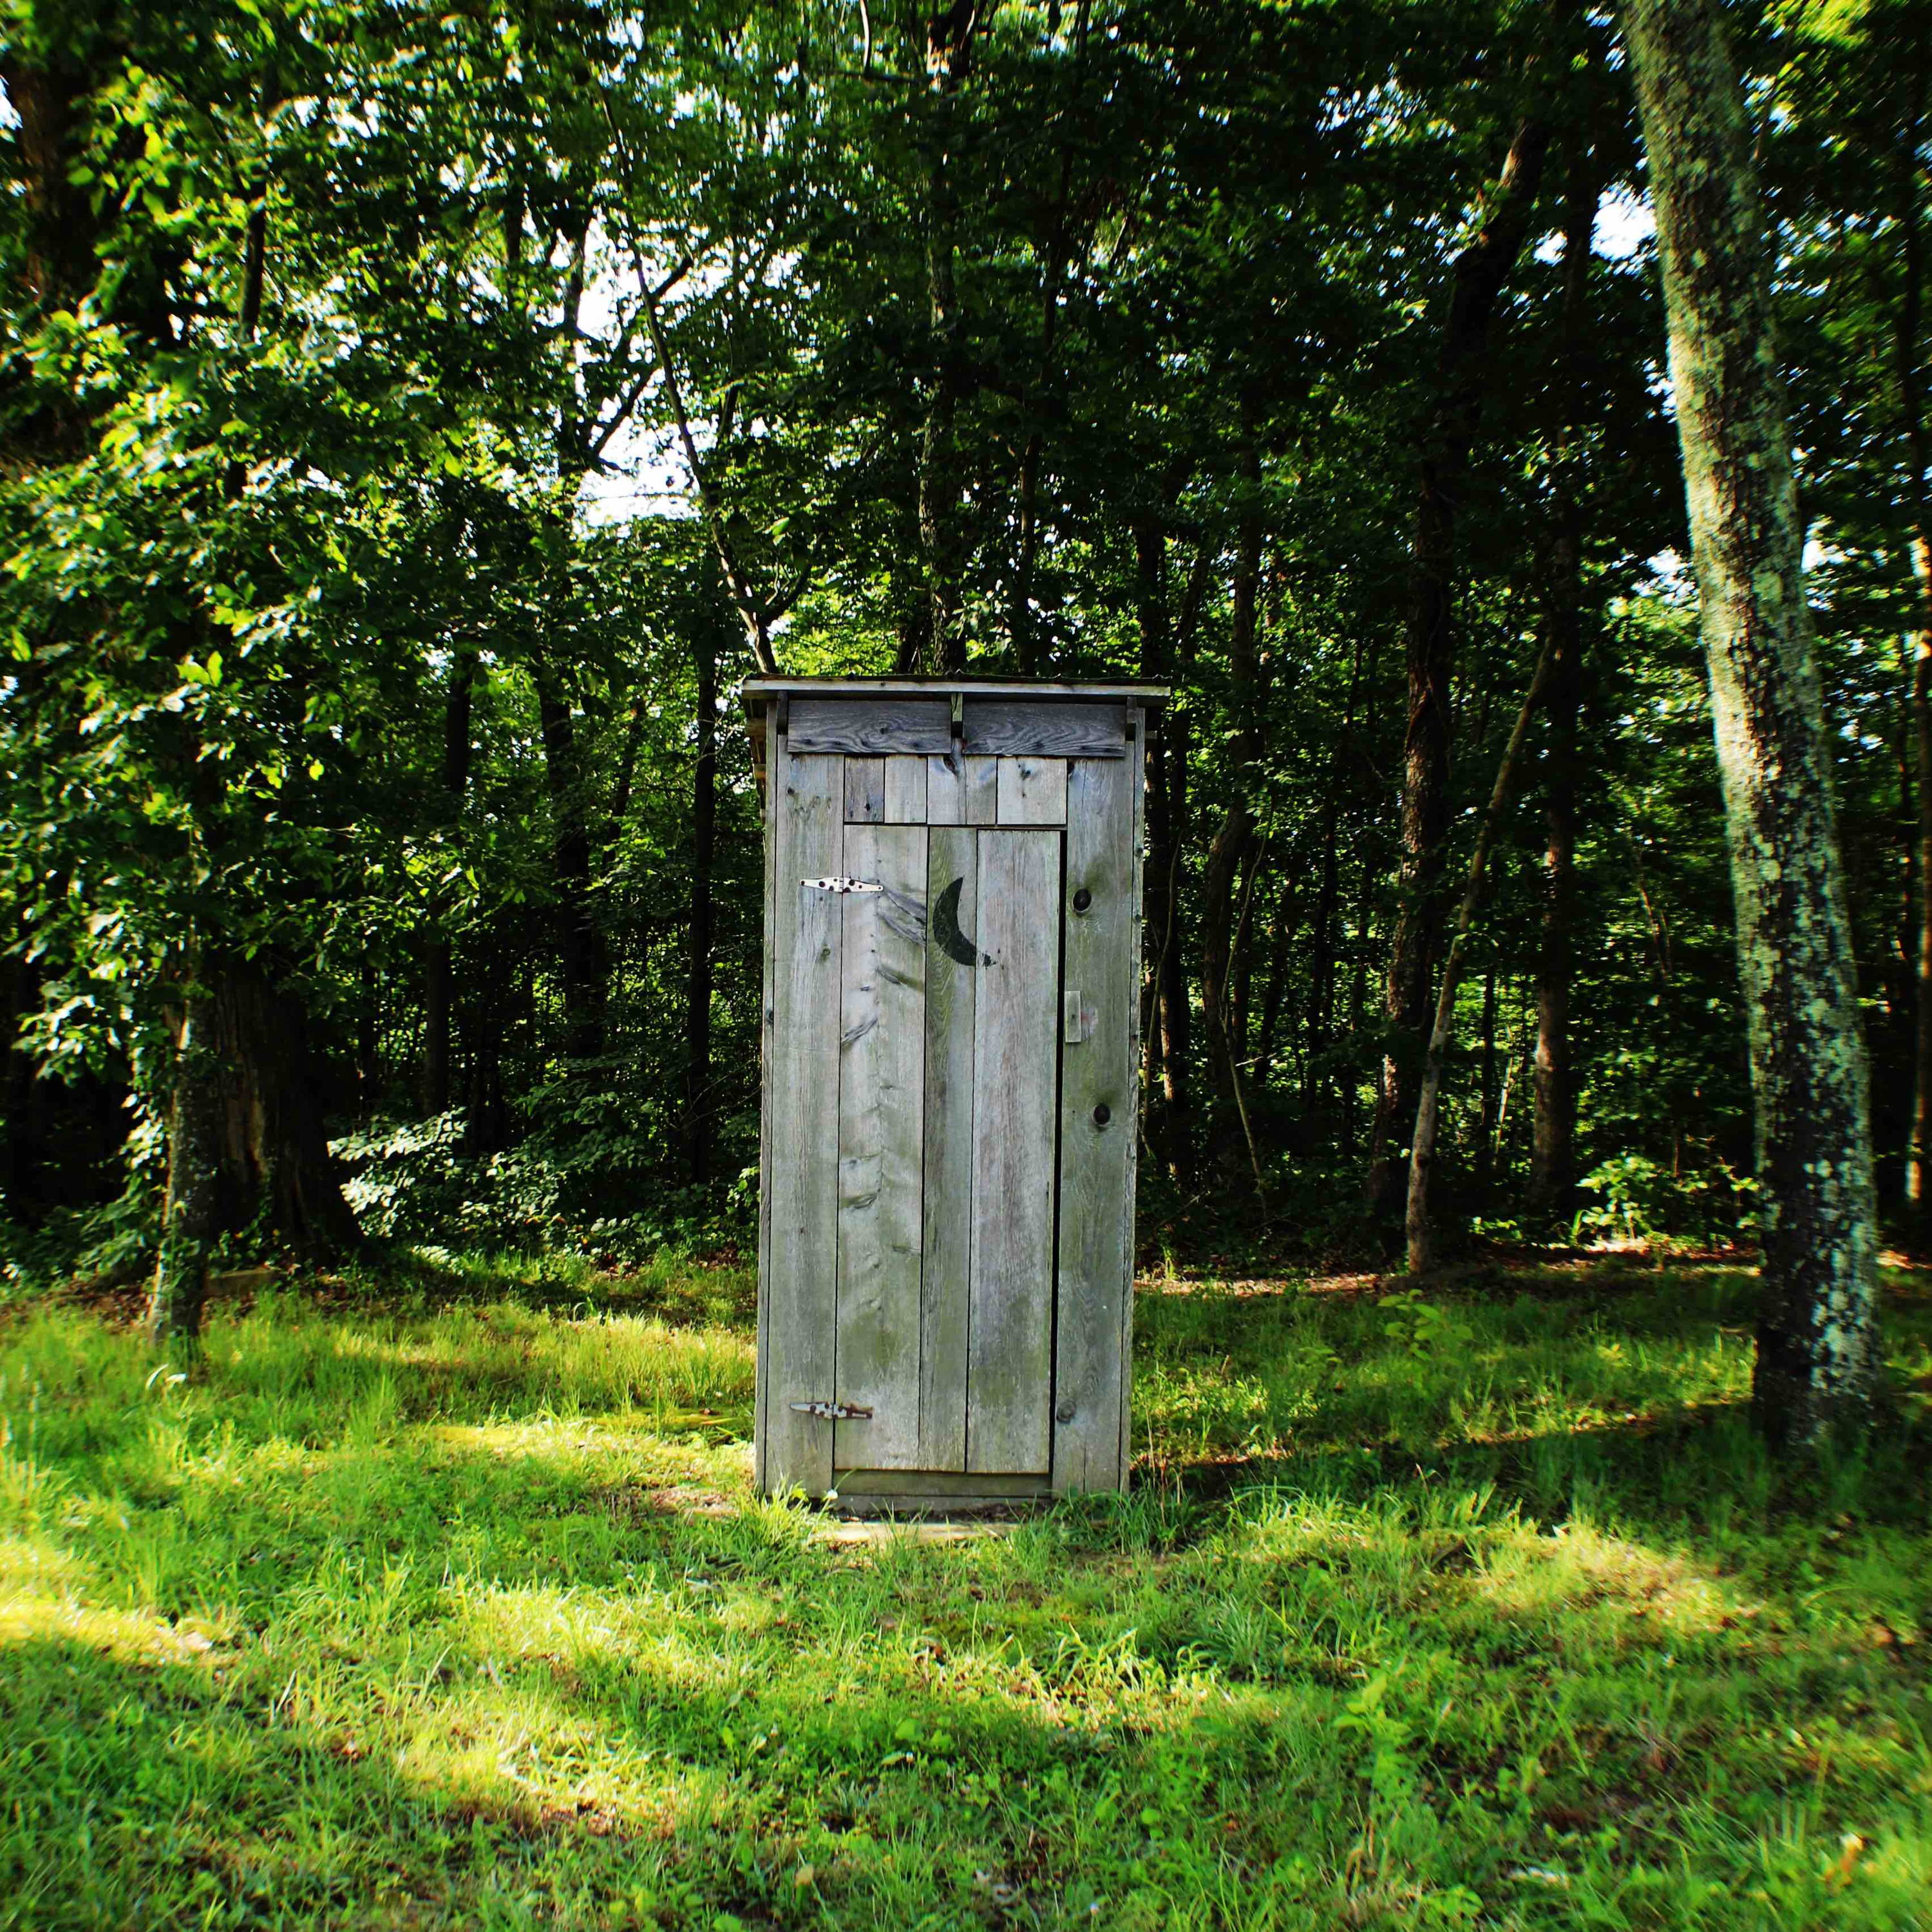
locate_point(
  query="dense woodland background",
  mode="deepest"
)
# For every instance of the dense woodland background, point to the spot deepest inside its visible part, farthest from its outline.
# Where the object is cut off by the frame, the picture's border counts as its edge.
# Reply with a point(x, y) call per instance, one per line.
point(414, 421)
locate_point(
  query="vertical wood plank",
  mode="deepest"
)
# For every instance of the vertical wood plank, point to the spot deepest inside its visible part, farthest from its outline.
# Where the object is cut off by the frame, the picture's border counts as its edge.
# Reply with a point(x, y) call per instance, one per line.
point(980, 781)
point(767, 1018)
point(960, 790)
point(801, 1297)
point(1097, 1124)
point(865, 791)
point(1137, 898)
point(951, 985)
point(945, 792)
point(881, 1076)
point(905, 791)
point(1032, 791)
point(1015, 1027)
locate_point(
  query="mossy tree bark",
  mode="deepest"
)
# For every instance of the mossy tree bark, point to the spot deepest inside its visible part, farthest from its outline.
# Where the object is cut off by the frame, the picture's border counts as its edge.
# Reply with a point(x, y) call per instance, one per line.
point(1918, 501)
point(1817, 1352)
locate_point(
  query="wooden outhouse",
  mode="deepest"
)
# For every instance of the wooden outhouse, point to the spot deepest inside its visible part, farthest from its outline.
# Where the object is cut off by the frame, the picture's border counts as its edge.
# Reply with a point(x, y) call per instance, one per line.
point(952, 890)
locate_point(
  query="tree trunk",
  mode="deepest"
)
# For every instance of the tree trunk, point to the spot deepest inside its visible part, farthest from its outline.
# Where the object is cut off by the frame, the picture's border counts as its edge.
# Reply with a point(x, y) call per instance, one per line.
point(1168, 1042)
point(192, 1215)
point(247, 1149)
point(368, 1041)
point(274, 1150)
point(1419, 1227)
point(704, 847)
point(438, 967)
point(1817, 1340)
point(1481, 271)
point(1287, 915)
point(1487, 1123)
point(1324, 936)
point(580, 952)
point(1020, 627)
point(949, 41)
point(1228, 855)
point(485, 1115)
point(1358, 990)
point(1552, 1166)
point(1918, 501)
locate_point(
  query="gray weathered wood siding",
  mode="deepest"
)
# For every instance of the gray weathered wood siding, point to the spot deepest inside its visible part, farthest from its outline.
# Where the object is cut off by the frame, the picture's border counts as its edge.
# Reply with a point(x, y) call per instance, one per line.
point(950, 1050)
point(800, 1297)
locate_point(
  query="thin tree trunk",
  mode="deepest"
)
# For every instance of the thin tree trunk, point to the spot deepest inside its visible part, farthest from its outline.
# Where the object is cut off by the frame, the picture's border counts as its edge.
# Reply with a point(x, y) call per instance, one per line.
point(1241, 976)
point(1553, 1166)
point(1817, 1339)
point(1418, 1226)
point(438, 966)
point(1287, 914)
point(485, 1117)
point(581, 950)
point(1020, 627)
point(369, 1042)
point(192, 1212)
point(1487, 1124)
point(948, 43)
point(1228, 855)
point(1169, 1034)
point(1157, 666)
point(1358, 991)
point(703, 847)
point(1325, 937)
point(1480, 272)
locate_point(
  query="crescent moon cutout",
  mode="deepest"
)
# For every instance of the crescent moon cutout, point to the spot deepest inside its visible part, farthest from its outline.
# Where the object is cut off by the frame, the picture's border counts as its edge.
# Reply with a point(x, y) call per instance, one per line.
point(946, 926)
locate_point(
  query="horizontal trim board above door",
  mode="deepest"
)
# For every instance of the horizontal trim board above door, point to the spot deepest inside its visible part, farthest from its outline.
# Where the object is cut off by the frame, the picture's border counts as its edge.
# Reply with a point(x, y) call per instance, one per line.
point(923, 726)
point(869, 726)
point(1047, 731)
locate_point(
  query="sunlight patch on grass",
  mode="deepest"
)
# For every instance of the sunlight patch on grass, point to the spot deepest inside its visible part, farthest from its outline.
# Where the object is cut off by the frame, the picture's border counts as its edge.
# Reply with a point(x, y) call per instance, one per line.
point(1577, 1566)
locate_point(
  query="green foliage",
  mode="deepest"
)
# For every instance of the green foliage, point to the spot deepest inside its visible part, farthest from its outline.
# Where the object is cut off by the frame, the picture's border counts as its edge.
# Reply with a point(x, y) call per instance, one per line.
point(415, 1181)
point(455, 1603)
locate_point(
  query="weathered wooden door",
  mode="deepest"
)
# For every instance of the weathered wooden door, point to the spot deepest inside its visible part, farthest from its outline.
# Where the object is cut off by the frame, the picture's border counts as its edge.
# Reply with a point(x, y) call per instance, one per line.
point(948, 1072)
point(916, 1057)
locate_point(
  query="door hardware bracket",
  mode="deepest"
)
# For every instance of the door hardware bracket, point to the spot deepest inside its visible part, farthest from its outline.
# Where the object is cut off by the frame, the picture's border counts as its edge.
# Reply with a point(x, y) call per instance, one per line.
point(833, 1412)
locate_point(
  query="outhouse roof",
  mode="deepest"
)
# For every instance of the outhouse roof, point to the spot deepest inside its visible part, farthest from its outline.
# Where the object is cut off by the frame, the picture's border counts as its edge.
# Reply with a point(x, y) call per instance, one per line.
point(758, 694)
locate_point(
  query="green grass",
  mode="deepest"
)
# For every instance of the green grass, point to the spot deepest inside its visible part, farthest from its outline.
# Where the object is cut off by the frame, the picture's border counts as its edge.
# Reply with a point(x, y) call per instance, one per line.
point(454, 1609)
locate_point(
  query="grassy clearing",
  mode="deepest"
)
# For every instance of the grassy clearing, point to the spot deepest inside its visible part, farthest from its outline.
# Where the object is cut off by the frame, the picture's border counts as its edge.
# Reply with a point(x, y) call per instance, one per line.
point(454, 1610)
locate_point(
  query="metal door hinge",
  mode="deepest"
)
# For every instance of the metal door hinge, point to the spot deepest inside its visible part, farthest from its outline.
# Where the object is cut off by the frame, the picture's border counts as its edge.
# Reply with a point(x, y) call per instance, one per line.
point(834, 1411)
point(843, 886)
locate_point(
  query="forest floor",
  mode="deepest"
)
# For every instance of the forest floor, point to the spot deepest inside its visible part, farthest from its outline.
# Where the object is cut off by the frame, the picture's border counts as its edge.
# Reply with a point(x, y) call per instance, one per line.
point(444, 1601)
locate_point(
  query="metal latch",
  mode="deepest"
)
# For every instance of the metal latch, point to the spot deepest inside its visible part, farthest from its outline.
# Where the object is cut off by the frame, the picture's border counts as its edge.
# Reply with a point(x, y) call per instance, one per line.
point(843, 886)
point(833, 1412)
